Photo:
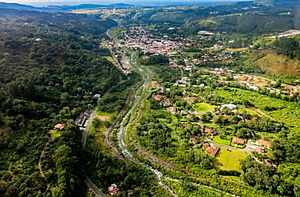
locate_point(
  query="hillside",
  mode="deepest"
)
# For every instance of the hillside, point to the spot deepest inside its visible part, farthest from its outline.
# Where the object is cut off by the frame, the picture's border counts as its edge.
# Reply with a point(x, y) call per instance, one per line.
point(276, 64)
point(51, 66)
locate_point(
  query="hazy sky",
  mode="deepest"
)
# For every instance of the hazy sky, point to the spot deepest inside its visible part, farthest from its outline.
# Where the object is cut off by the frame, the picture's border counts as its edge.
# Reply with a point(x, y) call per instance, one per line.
point(71, 2)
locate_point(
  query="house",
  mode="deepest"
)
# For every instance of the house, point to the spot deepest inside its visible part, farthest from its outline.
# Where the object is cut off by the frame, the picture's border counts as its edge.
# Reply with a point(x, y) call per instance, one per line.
point(195, 140)
point(206, 144)
point(59, 126)
point(212, 150)
point(260, 150)
point(264, 143)
point(157, 97)
point(229, 106)
point(210, 132)
point(237, 140)
point(113, 189)
point(206, 33)
point(168, 102)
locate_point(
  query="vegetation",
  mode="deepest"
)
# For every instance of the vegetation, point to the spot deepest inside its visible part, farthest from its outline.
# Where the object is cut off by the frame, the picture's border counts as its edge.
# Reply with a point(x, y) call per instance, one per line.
point(51, 67)
point(230, 159)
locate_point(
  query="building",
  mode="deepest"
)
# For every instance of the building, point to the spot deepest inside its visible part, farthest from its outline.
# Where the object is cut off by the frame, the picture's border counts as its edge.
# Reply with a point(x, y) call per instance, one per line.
point(264, 143)
point(237, 140)
point(260, 150)
point(172, 110)
point(168, 102)
point(229, 106)
point(157, 97)
point(113, 189)
point(195, 140)
point(212, 150)
point(59, 126)
point(210, 132)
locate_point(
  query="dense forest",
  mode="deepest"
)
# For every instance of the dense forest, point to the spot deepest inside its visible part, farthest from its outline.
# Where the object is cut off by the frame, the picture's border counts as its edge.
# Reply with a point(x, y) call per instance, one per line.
point(288, 46)
point(51, 68)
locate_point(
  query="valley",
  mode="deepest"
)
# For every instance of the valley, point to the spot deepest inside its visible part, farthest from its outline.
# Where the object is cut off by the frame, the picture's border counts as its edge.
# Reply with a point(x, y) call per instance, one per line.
point(150, 101)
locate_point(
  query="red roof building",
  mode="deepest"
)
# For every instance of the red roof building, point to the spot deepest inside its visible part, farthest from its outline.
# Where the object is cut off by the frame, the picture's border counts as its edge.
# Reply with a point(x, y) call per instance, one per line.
point(157, 97)
point(264, 143)
point(212, 150)
point(59, 126)
point(237, 140)
point(112, 190)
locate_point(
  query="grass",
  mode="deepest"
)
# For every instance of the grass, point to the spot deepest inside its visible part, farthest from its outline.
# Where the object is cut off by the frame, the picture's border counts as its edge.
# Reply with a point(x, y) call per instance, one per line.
point(218, 140)
point(242, 108)
point(203, 107)
point(238, 146)
point(236, 49)
point(104, 116)
point(55, 133)
point(276, 64)
point(230, 159)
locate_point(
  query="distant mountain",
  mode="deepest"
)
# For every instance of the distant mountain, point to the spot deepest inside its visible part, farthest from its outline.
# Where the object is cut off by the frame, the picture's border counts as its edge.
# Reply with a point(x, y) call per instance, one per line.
point(273, 2)
point(88, 6)
point(19, 6)
point(63, 8)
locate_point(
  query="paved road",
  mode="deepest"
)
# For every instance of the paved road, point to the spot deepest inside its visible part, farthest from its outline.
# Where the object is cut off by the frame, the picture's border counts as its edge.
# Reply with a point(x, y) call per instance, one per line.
point(86, 129)
point(94, 188)
point(246, 149)
point(87, 180)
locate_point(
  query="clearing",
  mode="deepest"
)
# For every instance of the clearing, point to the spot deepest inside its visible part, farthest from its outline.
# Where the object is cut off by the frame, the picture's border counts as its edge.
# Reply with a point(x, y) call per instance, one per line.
point(230, 159)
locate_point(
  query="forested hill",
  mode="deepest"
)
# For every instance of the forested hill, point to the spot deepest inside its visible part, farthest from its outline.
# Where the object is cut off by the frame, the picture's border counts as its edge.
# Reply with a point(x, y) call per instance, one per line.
point(51, 66)
point(241, 17)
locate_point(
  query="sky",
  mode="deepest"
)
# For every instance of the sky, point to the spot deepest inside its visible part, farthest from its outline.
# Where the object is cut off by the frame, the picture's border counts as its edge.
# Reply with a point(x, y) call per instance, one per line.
point(75, 2)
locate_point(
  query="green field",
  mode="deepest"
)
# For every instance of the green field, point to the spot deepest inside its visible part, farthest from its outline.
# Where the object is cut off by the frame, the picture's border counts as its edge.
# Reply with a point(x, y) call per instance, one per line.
point(55, 133)
point(230, 159)
point(104, 116)
point(203, 107)
point(218, 140)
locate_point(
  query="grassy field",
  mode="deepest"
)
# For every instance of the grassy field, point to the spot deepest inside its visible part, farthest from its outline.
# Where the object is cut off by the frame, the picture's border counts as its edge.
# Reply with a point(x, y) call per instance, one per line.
point(275, 64)
point(203, 107)
point(103, 116)
point(237, 49)
point(55, 133)
point(218, 140)
point(230, 159)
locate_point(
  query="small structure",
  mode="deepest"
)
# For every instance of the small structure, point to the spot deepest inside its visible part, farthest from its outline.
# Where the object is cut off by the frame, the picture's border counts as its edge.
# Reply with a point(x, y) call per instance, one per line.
point(59, 126)
point(212, 150)
point(260, 150)
point(264, 143)
point(237, 140)
point(210, 132)
point(195, 140)
point(113, 189)
point(172, 110)
point(229, 106)
point(205, 33)
point(157, 97)
point(168, 102)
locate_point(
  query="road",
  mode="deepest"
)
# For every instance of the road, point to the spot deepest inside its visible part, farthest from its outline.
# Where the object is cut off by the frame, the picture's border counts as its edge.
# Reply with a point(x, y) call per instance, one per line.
point(86, 129)
point(93, 187)
point(87, 180)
